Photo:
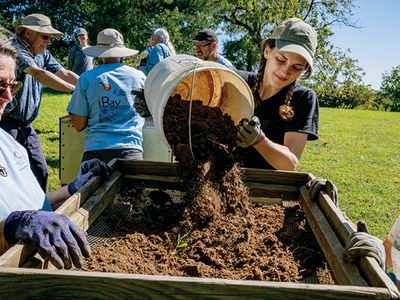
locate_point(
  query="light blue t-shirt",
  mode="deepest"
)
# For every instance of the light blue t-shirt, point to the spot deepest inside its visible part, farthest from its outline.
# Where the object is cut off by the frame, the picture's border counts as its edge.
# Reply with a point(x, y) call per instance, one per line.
point(156, 54)
point(19, 189)
point(104, 95)
point(25, 106)
point(223, 61)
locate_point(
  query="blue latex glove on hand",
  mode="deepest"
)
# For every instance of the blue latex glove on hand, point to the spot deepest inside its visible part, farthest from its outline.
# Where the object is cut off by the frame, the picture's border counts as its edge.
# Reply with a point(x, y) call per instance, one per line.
point(57, 239)
point(140, 103)
point(249, 133)
point(88, 169)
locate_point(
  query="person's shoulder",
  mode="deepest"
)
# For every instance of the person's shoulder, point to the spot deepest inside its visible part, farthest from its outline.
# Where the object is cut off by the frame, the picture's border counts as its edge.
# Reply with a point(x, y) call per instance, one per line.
point(301, 89)
point(249, 77)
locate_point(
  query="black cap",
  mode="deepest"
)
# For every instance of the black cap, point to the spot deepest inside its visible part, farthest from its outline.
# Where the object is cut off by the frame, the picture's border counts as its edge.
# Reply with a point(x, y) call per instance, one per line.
point(205, 35)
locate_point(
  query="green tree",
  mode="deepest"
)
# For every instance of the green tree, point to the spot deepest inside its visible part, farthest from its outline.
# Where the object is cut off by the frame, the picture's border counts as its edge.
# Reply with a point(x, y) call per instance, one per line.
point(390, 87)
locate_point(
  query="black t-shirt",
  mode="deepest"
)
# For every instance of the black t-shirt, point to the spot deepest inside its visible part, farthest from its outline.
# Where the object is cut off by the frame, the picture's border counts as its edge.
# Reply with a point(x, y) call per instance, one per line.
point(305, 120)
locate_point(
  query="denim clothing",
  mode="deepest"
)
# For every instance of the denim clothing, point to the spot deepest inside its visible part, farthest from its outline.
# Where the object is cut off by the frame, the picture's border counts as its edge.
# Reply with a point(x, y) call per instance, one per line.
point(25, 106)
point(109, 154)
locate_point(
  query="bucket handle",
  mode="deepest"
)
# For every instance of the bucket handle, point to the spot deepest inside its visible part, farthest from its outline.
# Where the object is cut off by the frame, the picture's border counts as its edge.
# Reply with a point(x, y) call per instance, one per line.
point(190, 108)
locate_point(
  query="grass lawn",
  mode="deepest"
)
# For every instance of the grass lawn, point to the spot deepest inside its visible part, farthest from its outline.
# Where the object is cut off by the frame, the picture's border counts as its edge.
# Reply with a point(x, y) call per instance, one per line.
point(358, 151)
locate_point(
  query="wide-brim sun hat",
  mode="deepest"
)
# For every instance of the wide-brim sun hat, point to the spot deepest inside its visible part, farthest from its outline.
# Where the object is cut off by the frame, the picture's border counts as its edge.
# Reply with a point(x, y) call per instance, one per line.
point(295, 35)
point(110, 43)
point(38, 23)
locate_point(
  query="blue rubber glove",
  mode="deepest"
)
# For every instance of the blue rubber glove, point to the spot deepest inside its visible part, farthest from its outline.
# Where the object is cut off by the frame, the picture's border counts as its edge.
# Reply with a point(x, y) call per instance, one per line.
point(57, 239)
point(140, 103)
point(249, 133)
point(88, 169)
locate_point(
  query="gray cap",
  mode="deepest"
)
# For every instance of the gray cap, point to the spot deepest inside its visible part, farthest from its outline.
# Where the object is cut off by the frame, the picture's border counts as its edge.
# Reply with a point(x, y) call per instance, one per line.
point(110, 43)
point(79, 31)
point(38, 23)
point(295, 35)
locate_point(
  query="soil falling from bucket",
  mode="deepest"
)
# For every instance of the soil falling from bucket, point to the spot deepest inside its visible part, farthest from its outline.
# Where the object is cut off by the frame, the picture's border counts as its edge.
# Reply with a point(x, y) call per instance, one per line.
point(213, 231)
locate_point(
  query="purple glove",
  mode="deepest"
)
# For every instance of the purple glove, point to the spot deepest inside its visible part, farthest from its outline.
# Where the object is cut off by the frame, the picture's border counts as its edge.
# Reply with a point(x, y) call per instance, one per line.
point(57, 239)
point(87, 170)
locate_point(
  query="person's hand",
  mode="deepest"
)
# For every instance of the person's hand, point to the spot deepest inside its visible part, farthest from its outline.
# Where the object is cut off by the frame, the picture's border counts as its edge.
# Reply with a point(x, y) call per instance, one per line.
point(316, 185)
point(140, 103)
point(362, 244)
point(88, 169)
point(249, 133)
point(57, 239)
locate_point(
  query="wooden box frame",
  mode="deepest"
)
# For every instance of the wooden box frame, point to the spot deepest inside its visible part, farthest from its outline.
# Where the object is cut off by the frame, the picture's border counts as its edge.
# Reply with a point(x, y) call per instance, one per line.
point(24, 274)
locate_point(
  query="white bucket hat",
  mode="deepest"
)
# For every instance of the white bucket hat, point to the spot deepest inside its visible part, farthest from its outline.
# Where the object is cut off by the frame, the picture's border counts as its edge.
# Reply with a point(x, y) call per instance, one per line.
point(38, 23)
point(110, 43)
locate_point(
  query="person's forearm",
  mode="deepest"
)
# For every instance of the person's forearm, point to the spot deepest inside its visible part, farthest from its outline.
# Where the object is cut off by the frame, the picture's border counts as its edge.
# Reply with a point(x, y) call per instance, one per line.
point(57, 197)
point(278, 156)
point(388, 251)
point(4, 246)
point(68, 76)
point(53, 81)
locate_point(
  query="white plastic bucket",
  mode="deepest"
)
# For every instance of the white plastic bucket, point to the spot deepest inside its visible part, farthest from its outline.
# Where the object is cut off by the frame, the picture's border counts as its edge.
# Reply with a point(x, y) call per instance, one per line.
point(215, 85)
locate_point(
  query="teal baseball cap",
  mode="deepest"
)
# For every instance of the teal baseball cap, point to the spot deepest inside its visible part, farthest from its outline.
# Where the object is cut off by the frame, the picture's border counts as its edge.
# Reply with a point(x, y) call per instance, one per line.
point(295, 35)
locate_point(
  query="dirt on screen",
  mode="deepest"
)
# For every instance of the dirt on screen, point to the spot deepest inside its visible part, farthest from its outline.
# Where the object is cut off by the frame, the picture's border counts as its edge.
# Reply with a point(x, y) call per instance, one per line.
point(212, 230)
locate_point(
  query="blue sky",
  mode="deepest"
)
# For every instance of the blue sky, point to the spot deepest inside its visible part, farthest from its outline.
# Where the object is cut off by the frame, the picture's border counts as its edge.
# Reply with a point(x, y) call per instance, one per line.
point(376, 45)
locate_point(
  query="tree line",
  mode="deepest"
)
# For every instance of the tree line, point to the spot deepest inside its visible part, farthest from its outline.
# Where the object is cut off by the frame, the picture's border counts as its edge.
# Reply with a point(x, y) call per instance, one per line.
point(243, 24)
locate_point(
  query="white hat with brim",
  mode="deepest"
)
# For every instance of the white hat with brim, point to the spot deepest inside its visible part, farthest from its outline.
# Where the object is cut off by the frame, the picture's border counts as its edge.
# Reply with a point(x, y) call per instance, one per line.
point(290, 47)
point(110, 43)
point(38, 23)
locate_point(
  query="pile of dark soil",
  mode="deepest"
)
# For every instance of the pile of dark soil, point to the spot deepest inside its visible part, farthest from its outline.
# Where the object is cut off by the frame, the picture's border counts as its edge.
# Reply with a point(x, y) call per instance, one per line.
point(213, 231)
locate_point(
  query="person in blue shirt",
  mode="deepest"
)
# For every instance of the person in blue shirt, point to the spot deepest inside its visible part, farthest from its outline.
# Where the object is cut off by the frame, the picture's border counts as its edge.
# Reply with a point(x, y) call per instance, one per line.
point(79, 62)
point(206, 43)
point(36, 68)
point(25, 210)
point(103, 102)
point(159, 48)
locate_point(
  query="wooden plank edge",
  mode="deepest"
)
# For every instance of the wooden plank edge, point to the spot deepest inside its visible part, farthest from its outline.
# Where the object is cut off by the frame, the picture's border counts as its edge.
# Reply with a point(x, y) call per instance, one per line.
point(343, 226)
point(345, 274)
point(86, 285)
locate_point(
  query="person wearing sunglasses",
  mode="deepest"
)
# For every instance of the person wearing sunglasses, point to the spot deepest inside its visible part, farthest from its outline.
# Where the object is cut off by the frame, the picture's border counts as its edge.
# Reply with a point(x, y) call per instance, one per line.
point(25, 210)
point(36, 68)
point(206, 43)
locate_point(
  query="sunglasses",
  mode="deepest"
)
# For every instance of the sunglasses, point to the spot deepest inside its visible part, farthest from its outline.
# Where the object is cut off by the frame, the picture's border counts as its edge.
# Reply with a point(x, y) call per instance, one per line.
point(15, 87)
point(45, 37)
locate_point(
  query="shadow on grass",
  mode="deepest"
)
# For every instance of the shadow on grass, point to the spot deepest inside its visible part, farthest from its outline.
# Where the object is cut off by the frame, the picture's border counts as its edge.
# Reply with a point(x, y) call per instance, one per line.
point(53, 163)
point(51, 92)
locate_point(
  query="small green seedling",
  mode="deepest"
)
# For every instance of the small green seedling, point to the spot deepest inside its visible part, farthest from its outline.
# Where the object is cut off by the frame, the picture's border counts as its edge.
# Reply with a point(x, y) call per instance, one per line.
point(180, 243)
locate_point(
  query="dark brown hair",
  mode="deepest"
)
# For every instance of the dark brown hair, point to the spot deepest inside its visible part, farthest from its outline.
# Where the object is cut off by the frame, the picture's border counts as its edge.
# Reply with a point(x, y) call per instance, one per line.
point(285, 110)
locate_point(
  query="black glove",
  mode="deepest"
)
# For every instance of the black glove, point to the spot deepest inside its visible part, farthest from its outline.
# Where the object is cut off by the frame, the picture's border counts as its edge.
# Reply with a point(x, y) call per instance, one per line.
point(57, 239)
point(361, 244)
point(317, 185)
point(140, 103)
point(88, 169)
point(249, 133)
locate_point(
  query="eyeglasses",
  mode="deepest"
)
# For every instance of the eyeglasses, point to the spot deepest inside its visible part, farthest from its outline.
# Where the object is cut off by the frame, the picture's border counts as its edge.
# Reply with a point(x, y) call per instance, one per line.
point(15, 87)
